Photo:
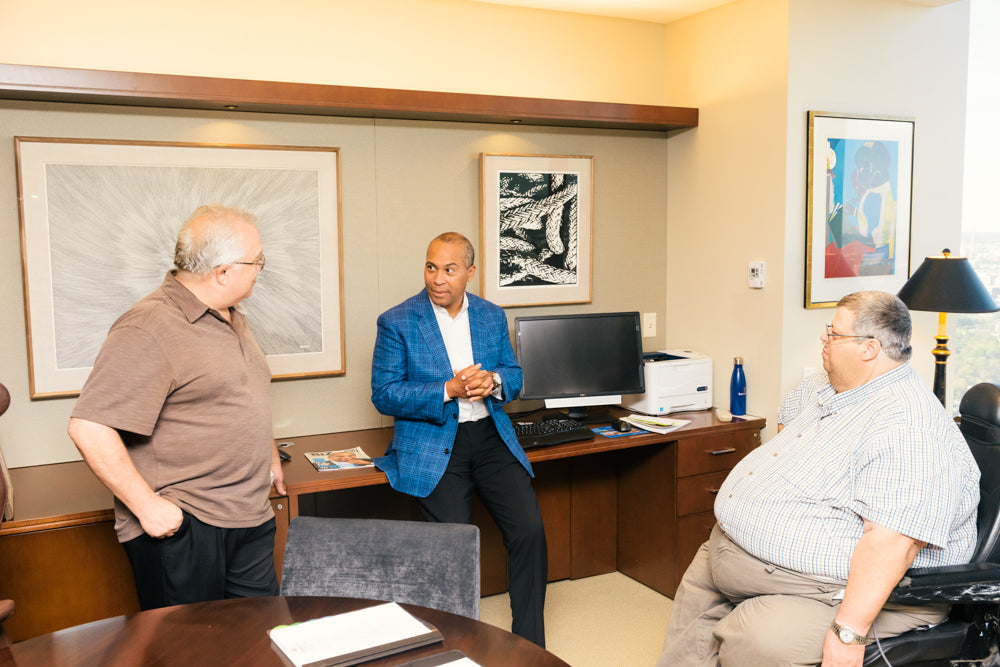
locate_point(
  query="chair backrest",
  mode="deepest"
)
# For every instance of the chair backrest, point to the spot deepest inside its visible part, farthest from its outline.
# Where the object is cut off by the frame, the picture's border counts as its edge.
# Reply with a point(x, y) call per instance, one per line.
point(980, 411)
point(415, 562)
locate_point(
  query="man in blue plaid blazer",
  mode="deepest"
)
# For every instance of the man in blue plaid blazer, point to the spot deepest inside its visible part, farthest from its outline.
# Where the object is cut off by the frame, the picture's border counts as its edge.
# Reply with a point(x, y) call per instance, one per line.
point(443, 367)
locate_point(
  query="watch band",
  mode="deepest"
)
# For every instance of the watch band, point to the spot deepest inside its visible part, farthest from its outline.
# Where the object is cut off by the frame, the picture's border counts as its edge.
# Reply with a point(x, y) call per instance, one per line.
point(849, 635)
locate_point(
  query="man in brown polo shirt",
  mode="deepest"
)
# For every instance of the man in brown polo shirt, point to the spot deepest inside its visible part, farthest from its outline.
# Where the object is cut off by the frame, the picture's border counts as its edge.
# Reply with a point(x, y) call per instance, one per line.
point(175, 419)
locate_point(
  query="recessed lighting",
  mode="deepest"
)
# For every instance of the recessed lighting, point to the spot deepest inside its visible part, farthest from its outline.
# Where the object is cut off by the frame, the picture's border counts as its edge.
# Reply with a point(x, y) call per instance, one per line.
point(515, 121)
point(230, 107)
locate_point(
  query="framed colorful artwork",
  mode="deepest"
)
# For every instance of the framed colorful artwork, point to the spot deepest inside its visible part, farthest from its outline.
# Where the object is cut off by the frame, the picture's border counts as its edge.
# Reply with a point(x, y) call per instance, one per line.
point(536, 227)
point(99, 221)
point(859, 192)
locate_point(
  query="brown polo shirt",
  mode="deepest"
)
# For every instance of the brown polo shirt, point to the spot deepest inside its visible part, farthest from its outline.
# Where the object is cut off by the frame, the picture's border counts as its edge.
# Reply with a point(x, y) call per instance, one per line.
point(189, 394)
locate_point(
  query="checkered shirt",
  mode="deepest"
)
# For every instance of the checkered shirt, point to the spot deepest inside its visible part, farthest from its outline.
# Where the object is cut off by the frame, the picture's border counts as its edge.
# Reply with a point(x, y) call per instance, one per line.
point(885, 451)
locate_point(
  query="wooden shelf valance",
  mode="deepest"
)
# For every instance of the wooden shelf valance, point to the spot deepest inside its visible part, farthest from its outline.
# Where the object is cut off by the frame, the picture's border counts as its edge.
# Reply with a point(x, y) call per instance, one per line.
point(55, 84)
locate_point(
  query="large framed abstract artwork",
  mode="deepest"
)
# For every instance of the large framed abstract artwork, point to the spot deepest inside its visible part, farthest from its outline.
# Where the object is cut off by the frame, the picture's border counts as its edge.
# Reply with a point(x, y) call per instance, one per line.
point(536, 227)
point(859, 189)
point(99, 220)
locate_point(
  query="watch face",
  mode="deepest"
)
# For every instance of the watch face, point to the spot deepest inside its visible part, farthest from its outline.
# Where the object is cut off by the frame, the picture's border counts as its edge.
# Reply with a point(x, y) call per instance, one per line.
point(846, 635)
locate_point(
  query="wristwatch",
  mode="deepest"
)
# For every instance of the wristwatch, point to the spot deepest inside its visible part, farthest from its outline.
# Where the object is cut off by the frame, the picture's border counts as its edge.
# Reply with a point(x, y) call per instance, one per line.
point(848, 635)
point(497, 381)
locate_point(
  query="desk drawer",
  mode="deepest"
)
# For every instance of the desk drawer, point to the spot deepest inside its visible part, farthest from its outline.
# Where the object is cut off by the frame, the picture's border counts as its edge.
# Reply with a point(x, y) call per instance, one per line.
point(696, 456)
point(697, 494)
point(692, 531)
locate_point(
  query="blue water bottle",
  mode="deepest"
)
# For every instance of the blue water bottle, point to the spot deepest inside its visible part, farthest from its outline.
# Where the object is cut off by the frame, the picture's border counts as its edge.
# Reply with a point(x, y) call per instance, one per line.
point(738, 389)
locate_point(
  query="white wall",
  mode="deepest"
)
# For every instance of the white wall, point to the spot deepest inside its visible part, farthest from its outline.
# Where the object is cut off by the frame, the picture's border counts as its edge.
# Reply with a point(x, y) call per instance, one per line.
point(876, 57)
point(737, 185)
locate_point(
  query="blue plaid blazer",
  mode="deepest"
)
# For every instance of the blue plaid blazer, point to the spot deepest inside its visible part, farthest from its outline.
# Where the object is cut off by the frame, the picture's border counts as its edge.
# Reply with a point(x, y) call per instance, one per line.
point(409, 369)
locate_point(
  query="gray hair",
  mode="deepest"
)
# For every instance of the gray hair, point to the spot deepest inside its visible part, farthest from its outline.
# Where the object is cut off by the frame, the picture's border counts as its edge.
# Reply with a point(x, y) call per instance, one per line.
point(884, 317)
point(455, 237)
point(199, 250)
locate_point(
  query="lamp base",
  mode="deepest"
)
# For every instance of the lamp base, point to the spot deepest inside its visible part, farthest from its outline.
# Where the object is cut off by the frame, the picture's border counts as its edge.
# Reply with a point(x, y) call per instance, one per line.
point(941, 354)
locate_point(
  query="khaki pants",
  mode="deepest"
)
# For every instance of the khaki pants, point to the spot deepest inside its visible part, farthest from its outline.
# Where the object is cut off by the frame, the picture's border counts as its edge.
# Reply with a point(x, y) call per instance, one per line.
point(733, 609)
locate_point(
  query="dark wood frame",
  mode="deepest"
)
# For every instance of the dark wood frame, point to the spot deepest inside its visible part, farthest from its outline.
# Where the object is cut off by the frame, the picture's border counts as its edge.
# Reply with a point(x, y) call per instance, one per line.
point(56, 84)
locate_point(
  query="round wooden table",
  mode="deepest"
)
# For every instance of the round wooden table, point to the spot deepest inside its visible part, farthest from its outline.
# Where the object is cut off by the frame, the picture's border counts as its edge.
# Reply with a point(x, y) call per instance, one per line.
point(234, 632)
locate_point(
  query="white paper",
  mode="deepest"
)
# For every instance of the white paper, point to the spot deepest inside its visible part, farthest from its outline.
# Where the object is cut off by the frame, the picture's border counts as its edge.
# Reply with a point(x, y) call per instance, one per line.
point(656, 424)
point(341, 634)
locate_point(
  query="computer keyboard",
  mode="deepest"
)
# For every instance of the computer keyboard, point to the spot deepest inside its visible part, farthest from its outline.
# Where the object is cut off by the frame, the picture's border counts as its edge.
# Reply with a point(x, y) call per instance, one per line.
point(550, 432)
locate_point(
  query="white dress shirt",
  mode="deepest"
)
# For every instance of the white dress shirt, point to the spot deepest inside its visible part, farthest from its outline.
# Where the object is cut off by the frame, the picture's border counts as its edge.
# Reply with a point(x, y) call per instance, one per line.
point(458, 341)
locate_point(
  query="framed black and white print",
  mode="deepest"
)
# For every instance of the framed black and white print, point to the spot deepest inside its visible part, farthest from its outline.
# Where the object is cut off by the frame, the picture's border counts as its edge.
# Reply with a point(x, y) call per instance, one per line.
point(99, 221)
point(536, 228)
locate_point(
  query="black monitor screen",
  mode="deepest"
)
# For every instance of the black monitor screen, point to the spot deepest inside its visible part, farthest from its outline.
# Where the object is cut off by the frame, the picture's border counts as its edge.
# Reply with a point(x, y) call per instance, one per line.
point(566, 356)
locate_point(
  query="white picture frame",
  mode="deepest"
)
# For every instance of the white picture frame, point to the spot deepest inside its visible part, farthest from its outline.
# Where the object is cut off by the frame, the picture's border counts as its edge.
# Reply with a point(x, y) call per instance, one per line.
point(536, 229)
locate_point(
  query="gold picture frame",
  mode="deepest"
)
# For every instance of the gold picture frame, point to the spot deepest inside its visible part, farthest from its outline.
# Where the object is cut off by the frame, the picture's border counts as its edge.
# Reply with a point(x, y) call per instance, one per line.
point(859, 194)
point(99, 219)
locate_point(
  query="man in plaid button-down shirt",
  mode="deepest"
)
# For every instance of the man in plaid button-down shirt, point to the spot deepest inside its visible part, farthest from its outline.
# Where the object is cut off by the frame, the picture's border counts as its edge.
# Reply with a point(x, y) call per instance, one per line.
point(867, 477)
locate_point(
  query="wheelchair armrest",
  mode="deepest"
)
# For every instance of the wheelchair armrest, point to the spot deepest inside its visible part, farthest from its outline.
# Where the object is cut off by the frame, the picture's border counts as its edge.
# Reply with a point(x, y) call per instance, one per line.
point(970, 583)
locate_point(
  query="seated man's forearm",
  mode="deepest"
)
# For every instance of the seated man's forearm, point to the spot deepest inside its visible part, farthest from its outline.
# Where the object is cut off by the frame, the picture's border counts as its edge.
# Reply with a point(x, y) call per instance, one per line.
point(880, 560)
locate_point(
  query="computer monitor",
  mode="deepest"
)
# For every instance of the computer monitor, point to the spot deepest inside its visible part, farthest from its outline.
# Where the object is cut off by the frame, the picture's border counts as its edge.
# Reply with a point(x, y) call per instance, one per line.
point(577, 361)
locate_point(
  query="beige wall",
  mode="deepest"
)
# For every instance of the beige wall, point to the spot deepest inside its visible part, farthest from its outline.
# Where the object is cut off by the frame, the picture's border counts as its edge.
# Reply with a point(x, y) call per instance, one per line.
point(445, 45)
point(726, 199)
point(403, 183)
point(391, 208)
point(737, 182)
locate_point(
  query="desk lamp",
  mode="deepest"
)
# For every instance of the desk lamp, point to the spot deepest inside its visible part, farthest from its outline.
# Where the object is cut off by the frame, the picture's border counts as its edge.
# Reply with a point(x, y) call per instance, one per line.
point(945, 284)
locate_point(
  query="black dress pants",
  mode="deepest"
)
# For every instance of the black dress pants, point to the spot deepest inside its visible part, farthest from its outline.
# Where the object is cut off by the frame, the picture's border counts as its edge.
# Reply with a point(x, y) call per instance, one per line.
point(201, 562)
point(481, 463)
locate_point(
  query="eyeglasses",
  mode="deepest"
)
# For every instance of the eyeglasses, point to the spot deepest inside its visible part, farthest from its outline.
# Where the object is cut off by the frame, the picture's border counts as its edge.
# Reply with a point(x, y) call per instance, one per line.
point(830, 334)
point(258, 263)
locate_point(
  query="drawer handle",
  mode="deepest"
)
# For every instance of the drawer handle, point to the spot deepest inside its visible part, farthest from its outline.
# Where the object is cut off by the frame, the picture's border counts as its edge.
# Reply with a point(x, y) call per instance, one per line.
point(720, 452)
point(713, 492)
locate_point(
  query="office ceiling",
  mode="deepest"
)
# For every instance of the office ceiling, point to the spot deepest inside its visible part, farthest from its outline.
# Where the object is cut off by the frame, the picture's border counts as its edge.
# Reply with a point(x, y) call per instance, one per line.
point(657, 11)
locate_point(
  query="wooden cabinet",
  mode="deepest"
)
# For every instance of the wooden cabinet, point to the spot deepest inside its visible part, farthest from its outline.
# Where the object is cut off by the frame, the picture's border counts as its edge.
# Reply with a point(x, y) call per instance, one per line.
point(683, 481)
point(641, 504)
point(702, 465)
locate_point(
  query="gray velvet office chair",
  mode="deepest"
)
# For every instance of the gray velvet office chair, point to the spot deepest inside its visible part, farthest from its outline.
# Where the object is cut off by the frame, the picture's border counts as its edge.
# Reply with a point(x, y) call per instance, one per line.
point(415, 562)
point(970, 634)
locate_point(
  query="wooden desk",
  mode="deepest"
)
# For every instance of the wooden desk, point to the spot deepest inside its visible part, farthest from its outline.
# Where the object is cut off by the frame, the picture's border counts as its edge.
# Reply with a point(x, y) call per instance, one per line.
point(631, 504)
point(640, 504)
point(234, 632)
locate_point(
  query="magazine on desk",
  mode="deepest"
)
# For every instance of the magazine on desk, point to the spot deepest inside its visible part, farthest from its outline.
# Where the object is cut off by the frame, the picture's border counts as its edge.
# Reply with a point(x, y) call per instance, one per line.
point(353, 637)
point(340, 459)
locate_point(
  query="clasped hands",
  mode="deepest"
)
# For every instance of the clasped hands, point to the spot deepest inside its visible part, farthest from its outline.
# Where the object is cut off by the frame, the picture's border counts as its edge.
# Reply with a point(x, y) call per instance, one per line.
point(471, 382)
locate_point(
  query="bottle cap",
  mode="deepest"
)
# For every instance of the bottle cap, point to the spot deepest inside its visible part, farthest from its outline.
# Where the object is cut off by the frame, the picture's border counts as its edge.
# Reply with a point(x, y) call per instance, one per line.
point(738, 360)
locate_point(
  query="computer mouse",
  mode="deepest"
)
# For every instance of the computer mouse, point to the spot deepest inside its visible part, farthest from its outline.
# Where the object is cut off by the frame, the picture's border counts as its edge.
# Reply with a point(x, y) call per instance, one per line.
point(284, 456)
point(622, 426)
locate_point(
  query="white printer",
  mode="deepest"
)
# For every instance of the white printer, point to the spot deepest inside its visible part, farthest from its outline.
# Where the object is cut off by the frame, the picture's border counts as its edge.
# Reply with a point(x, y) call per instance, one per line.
point(676, 380)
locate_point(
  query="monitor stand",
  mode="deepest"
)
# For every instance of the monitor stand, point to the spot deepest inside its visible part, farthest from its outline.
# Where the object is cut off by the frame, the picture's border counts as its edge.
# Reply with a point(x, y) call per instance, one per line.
point(590, 415)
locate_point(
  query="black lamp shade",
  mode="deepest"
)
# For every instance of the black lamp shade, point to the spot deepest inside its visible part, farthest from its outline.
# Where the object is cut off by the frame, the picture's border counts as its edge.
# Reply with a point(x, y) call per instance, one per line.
point(947, 284)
